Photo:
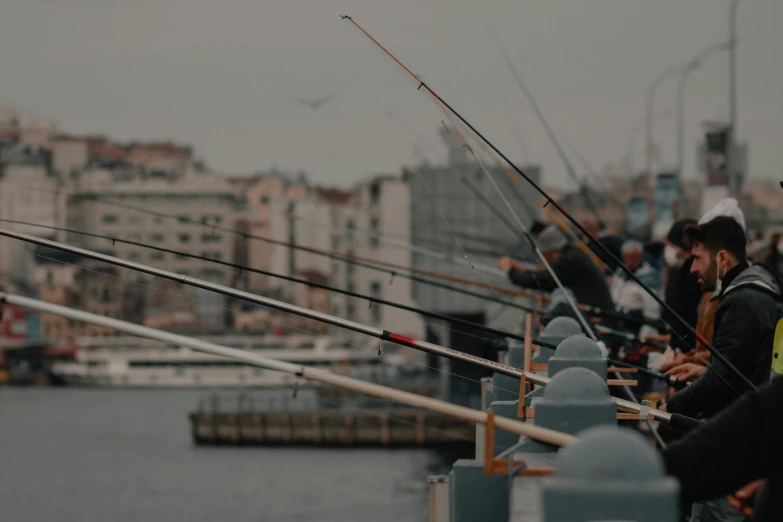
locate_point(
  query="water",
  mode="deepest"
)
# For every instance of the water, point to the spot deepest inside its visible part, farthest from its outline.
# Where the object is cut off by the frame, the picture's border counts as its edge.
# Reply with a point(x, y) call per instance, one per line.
point(126, 455)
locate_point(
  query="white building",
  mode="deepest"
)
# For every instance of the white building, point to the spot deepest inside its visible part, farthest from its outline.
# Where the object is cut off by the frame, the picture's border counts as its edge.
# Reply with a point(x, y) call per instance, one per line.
point(27, 193)
point(341, 221)
point(99, 205)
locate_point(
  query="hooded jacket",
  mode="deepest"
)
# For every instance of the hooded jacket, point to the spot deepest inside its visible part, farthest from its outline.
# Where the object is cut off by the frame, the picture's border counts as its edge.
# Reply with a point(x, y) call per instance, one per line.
point(751, 304)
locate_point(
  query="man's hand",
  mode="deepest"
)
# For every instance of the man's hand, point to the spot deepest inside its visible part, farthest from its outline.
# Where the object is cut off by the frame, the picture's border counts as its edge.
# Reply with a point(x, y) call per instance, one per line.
point(678, 359)
point(687, 371)
point(506, 263)
point(740, 499)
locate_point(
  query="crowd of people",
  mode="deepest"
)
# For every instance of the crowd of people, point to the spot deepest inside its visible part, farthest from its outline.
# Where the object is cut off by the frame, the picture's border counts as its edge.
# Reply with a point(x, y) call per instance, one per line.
point(724, 284)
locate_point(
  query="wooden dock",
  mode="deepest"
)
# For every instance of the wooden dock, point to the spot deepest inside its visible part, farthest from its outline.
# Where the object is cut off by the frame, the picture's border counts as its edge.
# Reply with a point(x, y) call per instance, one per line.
point(336, 428)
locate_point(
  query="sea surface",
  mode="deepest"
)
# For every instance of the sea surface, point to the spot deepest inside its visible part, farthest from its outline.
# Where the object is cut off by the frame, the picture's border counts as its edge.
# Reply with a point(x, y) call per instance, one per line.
point(92, 455)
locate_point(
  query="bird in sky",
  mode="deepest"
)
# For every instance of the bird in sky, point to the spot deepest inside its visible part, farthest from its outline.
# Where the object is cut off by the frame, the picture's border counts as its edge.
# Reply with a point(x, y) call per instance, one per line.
point(315, 104)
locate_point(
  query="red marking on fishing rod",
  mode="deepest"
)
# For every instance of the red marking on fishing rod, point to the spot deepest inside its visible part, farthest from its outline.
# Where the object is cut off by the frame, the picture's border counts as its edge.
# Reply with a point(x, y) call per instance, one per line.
point(567, 215)
point(397, 338)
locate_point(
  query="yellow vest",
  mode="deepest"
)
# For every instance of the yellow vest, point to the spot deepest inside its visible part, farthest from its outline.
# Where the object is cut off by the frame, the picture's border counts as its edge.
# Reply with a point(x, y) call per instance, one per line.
point(777, 349)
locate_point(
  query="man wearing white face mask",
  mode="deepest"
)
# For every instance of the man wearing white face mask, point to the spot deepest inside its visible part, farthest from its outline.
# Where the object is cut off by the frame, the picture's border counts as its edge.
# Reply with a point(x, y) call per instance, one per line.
point(751, 304)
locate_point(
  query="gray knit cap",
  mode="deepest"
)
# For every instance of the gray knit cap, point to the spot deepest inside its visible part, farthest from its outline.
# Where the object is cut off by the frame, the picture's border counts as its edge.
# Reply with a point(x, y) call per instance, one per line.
point(551, 240)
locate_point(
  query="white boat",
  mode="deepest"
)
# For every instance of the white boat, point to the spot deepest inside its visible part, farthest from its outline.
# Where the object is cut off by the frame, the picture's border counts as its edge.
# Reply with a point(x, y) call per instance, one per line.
point(125, 361)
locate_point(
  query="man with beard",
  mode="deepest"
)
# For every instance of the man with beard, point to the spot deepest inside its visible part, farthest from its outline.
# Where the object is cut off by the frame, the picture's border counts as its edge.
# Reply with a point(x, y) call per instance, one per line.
point(750, 307)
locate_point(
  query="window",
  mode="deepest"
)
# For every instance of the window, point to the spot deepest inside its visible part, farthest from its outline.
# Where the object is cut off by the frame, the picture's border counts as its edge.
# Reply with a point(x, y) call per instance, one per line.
point(134, 237)
point(183, 218)
point(374, 239)
point(212, 219)
point(109, 219)
point(264, 199)
point(211, 238)
point(180, 257)
point(211, 254)
point(157, 256)
point(156, 238)
point(184, 238)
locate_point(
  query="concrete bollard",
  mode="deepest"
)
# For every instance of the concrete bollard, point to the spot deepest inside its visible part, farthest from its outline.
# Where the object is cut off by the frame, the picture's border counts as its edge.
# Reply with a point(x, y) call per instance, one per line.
point(575, 400)
point(576, 351)
point(610, 473)
point(558, 330)
point(579, 351)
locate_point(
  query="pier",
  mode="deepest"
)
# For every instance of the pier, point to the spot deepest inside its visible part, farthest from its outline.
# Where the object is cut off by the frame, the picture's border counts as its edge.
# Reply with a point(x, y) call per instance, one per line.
point(389, 427)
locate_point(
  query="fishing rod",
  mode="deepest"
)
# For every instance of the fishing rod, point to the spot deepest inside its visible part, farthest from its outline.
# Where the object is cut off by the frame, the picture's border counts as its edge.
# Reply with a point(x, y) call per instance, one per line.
point(522, 201)
point(314, 374)
point(548, 130)
point(672, 419)
point(421, 84)
point(312, 284)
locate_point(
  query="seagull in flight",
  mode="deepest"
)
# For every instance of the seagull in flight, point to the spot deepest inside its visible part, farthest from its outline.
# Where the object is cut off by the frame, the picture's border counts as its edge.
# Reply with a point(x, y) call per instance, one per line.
point(315, 104)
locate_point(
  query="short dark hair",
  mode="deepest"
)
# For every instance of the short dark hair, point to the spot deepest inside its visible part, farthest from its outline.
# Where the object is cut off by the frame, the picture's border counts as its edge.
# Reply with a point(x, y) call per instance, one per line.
point(720, 233)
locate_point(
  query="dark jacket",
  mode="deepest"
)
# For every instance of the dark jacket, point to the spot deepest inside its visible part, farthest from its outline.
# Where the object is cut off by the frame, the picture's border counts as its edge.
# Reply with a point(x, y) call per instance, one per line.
point(750, 307)
point(683, 295)
point(740, 445)
point(576, 271)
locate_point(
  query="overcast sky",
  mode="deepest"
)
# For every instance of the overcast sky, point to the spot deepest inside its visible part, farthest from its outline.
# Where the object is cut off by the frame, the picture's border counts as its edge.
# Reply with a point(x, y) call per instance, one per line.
point(224, 75)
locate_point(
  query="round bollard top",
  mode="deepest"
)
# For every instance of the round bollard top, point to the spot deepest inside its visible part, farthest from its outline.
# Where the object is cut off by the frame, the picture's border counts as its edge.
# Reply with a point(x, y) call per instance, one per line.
point(576, 384)
point(578, 347)
point(610, 453)
point(562, 327)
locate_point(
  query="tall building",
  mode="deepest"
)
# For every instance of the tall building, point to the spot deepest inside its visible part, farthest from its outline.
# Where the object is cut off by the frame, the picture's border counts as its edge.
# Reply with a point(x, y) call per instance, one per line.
point(27, 193)
point(441, 203)
point(199, 202)
point(353, 223)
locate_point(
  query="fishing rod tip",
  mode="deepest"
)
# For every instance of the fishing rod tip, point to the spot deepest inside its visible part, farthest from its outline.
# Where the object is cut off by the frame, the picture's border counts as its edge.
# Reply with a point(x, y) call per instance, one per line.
point(345, 17)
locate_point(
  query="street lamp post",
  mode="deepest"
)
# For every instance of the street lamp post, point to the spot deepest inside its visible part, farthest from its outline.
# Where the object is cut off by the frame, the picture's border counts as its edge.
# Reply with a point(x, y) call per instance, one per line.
point(731, 162)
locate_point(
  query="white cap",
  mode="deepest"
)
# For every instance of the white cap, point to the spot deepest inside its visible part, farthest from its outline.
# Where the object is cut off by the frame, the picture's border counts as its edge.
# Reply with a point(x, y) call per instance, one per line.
point(727, 207)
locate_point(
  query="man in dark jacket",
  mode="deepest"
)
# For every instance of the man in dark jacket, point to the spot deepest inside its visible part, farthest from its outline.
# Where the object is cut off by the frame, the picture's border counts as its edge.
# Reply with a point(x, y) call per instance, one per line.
point(573, 267)
point(736, 448)
point(682, 290)
point(750, 307)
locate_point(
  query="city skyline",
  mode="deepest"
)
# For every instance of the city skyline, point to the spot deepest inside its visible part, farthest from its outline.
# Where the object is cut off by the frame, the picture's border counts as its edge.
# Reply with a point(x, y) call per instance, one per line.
point(226, 79)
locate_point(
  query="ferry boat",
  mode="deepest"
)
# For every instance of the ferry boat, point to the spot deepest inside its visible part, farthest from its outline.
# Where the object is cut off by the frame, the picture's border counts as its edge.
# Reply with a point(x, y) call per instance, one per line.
point(126, 361)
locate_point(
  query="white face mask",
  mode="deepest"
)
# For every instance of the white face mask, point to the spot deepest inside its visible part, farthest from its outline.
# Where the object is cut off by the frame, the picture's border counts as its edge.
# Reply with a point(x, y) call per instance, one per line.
point(670, 256)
